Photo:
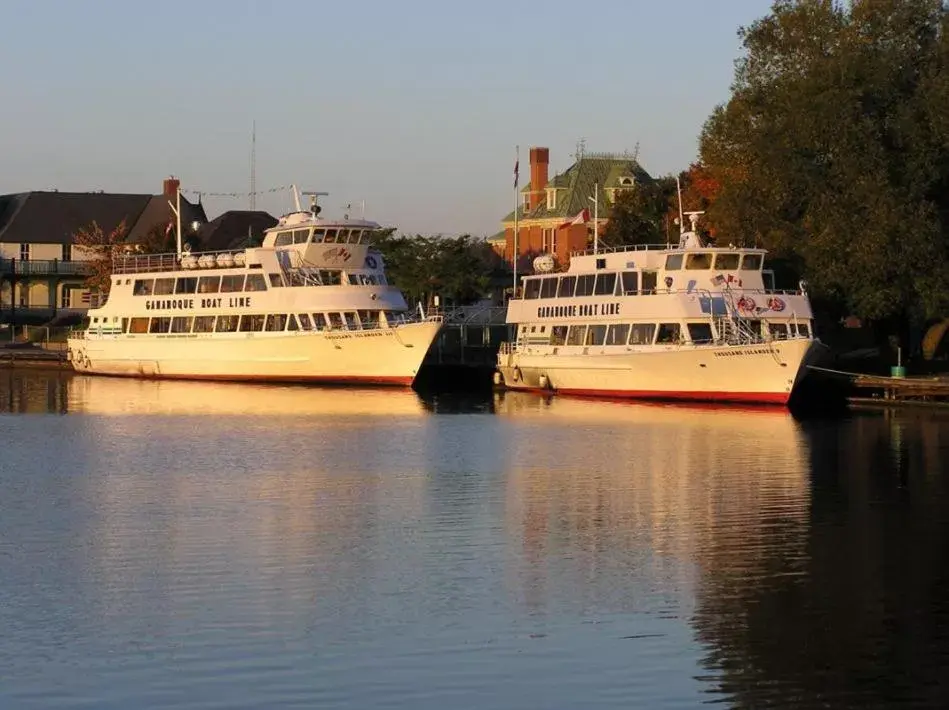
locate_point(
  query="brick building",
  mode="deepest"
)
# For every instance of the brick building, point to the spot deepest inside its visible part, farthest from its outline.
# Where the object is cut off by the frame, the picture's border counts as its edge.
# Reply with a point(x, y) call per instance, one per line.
point(555, 216)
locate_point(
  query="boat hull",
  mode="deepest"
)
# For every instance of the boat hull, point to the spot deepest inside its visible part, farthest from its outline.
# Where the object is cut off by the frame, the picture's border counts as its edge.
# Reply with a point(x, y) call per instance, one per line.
point(381, 356)
point(765, 373)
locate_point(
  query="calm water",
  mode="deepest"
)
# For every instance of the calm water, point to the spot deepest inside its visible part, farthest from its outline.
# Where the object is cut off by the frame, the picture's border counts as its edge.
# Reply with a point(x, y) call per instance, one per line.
point(229, 546)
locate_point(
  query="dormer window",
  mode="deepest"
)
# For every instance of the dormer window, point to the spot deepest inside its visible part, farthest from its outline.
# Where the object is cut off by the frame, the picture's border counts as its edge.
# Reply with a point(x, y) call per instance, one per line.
point(527, 202)
point(627, 181)
point(551, 198)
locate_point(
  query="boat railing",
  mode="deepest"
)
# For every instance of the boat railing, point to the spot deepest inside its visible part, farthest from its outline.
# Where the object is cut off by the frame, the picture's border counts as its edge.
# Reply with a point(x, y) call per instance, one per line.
point(622, 248)
point(199, 261)
point(662, 291)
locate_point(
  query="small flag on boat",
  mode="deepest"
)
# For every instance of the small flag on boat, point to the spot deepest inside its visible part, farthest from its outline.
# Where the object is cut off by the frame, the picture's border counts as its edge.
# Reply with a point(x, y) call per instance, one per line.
point(517, 166)
point(718, 280)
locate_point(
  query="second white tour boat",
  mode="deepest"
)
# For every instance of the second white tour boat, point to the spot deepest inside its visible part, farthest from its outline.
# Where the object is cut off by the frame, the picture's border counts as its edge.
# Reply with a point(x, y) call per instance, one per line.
point(683, 321)
point(312, 304)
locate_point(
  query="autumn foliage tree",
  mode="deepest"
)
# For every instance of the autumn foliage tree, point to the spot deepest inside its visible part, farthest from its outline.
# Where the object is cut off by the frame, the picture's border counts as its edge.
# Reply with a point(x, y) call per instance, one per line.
point(101, 246)
point(833, 151)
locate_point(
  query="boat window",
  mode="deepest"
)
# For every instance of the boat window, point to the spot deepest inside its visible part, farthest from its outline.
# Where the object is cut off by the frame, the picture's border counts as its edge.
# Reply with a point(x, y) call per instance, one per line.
point(618, 334)
point(754, 326)
point(275, 280)
point(226, 324)
point(566, 287)
point(330, 237)
point(300, 236)
point(358, 239)
point(232, 284)
point(630, 283)
point(181, 324)
point(649, 282)
point(778, 331)
point(209, 284)
point(804, 330)
point(319, 321)
point(251, 322)
point(726, 262)
point(673, 262)
point(351, 322)
point(701, 260)
point(585, 284)
point(558, 335)
point(751, 262)
point(186, 285)
point(164, 287)
point(576, 334)
point(318, 235)
point(305, 322)
point(531, 288)
point(143, 287)
point(276, 322)
point(767, 276)
point(255, 282)
point(331, 277)
point(283, 239)
point(138, 325)
point(700, 332)
point(642, 333)
point(125, 325)
point(336, 321)
point(159, 325)
point(203, 324)
point(548, 287)
point(292, 322)
point(596, 334)
point(369, 319)
point(605, 284)
point(668, 333)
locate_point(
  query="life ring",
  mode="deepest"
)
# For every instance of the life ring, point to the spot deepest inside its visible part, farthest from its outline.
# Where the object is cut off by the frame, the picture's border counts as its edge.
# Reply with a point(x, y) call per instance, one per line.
point(516, 374)
point(370, 261)
point(746, 304)
point(776, 304)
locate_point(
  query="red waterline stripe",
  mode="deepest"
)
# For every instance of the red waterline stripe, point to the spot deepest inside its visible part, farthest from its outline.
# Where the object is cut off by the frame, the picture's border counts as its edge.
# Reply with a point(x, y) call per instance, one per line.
point(312, 379)
point(746, 397)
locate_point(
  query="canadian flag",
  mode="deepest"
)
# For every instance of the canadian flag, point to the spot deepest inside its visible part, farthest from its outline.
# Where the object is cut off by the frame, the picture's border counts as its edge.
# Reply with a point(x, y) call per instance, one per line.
point(583, 216)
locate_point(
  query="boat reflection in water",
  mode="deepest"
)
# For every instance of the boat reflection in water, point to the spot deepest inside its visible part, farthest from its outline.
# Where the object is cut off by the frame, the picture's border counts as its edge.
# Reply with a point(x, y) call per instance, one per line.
point(114, 396)
point(629, 501)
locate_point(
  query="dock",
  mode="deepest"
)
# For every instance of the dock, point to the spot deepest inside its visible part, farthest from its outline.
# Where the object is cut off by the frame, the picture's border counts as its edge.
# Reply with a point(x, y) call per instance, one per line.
point(33, 357)
point(894, 391)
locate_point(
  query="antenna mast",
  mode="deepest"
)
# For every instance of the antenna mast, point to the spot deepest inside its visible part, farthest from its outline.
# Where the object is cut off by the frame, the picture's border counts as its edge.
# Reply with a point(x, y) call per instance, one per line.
point(253, 167)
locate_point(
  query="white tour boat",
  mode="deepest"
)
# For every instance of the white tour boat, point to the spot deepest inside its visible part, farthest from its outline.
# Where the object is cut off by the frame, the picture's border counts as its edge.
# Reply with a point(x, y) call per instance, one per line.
point(311, 304)
point(683, 321)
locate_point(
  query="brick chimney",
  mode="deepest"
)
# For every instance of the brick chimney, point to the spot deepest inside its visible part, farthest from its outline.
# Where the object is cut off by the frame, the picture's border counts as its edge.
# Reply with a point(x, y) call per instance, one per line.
point(169, 187)
point(540, 160)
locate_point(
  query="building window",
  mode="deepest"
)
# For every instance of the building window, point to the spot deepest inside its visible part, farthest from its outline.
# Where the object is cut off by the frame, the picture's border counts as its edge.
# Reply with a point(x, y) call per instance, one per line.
point(527, 202)
point(551, 199)
point(24, 252)
point(548, 237)
point(67, 252)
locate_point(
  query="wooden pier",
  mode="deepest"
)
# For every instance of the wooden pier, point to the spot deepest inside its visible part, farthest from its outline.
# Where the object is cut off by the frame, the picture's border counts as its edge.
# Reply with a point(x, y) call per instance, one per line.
point(893, 391)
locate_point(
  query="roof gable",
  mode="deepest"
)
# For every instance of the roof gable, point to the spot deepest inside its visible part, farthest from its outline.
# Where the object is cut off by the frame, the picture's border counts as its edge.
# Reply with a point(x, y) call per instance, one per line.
point(575, 185)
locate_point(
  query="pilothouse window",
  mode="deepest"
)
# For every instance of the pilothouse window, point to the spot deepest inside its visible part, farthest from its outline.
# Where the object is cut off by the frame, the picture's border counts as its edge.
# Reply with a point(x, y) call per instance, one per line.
point(630, 283)
point(549, 287)
point(751, 262)
point(605, 284)
point(532, 288)
point(585, 284)
point(566, 287)
point(726, 262)
point(702, 260)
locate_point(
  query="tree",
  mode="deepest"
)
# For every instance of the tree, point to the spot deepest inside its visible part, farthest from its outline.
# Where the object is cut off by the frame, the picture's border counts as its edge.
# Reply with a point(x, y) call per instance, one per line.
point(457, 269)
point(638, 215)
point(833, 151)
point(102, 246)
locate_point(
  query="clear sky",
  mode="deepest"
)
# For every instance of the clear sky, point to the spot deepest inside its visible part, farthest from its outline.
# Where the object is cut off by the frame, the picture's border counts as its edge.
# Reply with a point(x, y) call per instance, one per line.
point(413, 106)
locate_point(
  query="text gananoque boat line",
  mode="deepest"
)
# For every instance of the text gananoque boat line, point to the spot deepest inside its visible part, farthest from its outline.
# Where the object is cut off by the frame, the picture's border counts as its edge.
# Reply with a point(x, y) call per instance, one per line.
point(682, 321)
point(312, 304)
